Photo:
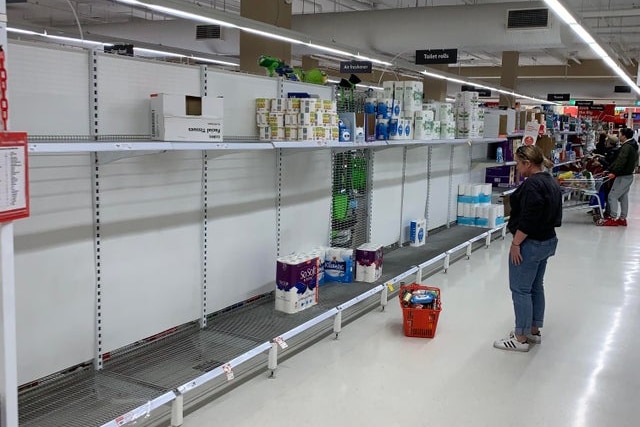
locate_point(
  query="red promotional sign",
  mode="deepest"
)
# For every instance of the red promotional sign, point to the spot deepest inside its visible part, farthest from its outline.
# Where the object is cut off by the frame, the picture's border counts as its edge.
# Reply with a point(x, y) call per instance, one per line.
point(14, 176)
point(598, 112)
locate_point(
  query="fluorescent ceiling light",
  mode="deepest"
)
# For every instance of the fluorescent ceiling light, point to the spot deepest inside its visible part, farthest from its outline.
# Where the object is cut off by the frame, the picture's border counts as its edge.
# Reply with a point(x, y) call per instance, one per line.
point(564, 14)
point(506, 92)
point(375, 61)
point(328, 49)
point(179, 55)
point(271, 35)
point(598, 50)
point(561, 11)
point(61, 38)
point(136, 49)
point(371, 87)
point(19, 31)
point(582, 33)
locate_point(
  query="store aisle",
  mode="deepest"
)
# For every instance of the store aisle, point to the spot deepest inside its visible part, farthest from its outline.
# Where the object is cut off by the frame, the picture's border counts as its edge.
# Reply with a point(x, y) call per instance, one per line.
point(583, 374)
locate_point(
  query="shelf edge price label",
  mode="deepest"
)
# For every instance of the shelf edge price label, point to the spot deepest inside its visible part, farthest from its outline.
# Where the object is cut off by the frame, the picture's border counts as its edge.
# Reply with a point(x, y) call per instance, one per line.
point(390, 286)
point(282, 343)
point(228, 370)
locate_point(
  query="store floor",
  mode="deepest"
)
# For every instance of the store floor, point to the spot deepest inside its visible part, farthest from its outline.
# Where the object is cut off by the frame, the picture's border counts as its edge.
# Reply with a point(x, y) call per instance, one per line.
point(584, 373)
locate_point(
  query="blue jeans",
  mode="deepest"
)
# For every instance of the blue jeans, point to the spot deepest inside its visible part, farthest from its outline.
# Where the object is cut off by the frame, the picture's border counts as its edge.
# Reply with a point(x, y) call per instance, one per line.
point(526, 283)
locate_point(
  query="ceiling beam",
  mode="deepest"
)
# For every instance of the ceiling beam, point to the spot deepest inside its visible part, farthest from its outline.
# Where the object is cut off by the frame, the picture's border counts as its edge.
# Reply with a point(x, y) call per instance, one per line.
point(611, 13)
point(589, 68)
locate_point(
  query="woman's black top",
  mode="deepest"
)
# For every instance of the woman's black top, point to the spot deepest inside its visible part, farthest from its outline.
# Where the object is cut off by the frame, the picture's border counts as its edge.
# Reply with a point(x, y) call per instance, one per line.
point(536, 207)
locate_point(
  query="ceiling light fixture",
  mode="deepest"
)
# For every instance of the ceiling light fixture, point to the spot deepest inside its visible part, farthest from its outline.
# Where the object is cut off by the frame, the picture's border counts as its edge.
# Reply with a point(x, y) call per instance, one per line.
point(481, 86)
point(584, 35)
point(136, 49)
point(61, 38)
point(290, 37)
point(272, 35)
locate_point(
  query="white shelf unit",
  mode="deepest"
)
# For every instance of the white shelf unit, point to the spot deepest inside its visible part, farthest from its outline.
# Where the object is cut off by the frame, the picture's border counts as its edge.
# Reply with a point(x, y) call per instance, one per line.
point(187, 229)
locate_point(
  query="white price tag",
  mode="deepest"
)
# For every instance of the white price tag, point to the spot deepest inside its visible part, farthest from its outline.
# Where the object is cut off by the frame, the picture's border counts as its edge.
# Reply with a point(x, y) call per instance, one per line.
point(281, 342)
point(229, 371)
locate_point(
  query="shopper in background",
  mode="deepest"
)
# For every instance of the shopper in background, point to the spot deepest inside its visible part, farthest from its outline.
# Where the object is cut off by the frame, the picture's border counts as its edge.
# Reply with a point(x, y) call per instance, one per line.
point(601, 146)
point(623, 168)
point(536, 210)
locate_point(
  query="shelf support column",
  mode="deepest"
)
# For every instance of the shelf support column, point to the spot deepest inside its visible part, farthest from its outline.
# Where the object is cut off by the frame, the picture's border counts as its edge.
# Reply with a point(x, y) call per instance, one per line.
point(509, 77)
point(8, 340)
point(435, 89)
point(276, 12)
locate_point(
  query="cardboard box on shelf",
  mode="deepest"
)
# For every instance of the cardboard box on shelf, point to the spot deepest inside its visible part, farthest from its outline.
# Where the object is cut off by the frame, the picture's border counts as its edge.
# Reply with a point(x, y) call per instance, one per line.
point(186, 118)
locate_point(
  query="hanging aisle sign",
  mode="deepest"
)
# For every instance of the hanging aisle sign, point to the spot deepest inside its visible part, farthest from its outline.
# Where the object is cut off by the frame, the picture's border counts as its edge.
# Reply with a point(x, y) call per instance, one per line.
point(354, 67)
point(436, 56)
point(14, 176)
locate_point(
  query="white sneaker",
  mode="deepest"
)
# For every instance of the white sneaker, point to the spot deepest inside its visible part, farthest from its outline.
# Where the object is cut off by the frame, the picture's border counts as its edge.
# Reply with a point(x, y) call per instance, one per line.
point(534, 338)
point(511, 344)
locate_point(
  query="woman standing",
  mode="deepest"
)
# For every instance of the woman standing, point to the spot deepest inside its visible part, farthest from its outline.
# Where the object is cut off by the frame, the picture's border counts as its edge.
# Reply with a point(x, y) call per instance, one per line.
point(536, 210)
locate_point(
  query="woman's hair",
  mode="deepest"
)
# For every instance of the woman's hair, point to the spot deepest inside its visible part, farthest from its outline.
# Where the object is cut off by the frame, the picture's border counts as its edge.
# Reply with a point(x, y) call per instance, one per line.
point(602, 138)
point(534, 155)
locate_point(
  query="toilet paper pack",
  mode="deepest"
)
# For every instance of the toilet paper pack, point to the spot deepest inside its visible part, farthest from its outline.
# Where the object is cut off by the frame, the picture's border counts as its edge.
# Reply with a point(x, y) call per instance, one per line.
point(338, 265)
point(296, 283)
point(413, 94)
point(369, 262)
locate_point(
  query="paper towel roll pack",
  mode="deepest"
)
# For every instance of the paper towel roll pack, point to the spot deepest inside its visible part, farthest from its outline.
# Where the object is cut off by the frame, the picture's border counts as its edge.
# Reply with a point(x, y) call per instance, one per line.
point(369, 262)
point(417, 232)
point(475, 208)
point(282, 115)
point(296, 283)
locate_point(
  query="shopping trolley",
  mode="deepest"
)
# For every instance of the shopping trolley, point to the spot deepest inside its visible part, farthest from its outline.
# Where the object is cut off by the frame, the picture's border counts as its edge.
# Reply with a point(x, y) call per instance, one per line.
point(584, 190)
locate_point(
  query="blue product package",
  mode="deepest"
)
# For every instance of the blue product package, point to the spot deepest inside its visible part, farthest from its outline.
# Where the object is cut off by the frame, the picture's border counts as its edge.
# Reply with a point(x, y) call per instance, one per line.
point(338, 271)
point(393, 127)
point(422, 299)
point(370, 106)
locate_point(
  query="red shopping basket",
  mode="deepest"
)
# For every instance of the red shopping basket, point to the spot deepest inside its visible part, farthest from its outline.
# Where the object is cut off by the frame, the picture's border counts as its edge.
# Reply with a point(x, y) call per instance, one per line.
point(420, 322)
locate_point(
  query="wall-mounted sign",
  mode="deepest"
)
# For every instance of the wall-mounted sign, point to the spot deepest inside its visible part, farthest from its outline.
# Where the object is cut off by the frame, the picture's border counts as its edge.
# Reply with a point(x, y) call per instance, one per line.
point(558, 97)
point(14, 176)
point(482, 93)
point(584, 103)
point(436, 56)
point(355, 67)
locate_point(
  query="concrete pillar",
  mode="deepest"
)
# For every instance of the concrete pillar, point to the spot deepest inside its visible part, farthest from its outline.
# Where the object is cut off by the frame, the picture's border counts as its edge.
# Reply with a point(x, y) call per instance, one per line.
point(274, 12)
point(509, 76)
point(435, 89)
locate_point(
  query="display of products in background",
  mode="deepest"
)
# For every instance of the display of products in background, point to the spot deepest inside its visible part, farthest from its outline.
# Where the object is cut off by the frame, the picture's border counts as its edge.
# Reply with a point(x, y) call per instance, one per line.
point(297, 119)
point(398, 110)
point(475, 208)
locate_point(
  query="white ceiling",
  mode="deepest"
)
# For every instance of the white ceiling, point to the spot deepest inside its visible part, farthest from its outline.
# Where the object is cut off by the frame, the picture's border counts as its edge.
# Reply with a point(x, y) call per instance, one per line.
point(614, 23)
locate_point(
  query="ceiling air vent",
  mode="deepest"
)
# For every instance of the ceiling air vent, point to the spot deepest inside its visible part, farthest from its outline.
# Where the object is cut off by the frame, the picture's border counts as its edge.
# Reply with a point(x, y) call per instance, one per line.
point(519, 19)
point(204, 32)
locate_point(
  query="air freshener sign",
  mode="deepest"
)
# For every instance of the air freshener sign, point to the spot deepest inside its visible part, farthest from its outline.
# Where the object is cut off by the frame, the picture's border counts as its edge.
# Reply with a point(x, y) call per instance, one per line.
point(355, 67)
point(14, 176)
